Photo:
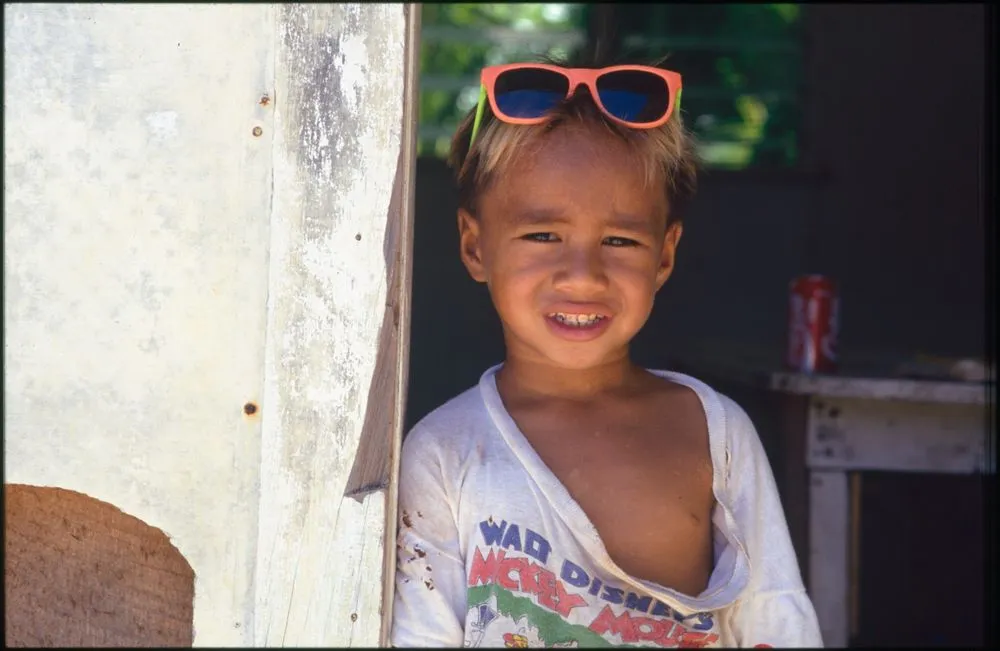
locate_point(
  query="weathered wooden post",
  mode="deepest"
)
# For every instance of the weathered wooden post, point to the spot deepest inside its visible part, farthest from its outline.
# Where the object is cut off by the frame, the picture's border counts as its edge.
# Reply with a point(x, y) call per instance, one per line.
point(207, 218)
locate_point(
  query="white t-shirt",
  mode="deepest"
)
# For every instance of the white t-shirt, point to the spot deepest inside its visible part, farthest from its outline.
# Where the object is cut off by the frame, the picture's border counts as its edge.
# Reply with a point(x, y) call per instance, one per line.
point(492, 551)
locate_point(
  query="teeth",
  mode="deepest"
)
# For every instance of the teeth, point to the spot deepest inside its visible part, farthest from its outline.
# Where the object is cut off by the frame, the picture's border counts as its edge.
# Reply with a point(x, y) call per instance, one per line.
point(578, 320)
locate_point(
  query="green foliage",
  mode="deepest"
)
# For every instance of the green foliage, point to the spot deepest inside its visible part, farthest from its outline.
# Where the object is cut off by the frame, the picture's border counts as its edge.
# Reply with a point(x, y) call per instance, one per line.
point(446, 60)
point(741, 65)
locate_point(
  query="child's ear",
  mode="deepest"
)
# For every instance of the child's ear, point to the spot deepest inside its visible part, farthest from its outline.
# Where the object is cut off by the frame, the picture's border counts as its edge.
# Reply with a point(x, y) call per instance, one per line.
point(469, 245)
point(669, 254)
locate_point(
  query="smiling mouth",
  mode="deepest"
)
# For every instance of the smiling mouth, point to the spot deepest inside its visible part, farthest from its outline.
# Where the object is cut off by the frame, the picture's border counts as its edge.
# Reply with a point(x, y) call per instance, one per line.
point(577, 320)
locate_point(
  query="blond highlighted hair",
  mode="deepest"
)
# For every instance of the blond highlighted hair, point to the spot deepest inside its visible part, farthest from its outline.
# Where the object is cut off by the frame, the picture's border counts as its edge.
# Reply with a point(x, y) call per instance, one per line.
point(664, 155)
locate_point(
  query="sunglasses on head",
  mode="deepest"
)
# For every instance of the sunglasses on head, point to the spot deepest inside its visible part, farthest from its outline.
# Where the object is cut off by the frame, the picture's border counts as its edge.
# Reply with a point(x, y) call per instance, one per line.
point(640, 97)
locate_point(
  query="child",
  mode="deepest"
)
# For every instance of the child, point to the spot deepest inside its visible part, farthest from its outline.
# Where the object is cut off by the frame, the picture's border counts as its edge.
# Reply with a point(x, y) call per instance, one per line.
point(573, 498)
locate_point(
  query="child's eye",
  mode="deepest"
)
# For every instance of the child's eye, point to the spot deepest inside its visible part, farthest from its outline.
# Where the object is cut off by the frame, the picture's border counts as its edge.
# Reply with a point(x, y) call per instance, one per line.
point(540, 237)
point(620, 241)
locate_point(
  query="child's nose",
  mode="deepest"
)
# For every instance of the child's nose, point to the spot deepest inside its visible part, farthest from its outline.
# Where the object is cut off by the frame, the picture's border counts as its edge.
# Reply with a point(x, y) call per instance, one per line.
point(581, 268)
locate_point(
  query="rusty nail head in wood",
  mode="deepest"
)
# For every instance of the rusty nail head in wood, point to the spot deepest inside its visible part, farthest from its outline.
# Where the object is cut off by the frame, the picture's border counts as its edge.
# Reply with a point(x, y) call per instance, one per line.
point(257, 131)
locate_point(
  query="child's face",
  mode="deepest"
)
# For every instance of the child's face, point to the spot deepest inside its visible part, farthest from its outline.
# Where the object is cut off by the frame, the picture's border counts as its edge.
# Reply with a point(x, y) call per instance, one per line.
point(570, 232)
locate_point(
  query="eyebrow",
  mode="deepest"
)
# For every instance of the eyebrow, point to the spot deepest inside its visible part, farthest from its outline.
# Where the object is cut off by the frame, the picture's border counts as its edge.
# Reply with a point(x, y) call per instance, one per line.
point(539, 217)
point(626, 222)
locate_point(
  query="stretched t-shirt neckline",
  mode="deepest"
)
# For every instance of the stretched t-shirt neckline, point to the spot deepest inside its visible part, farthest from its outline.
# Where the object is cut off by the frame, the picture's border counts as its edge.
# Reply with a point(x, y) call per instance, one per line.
point(730, 574)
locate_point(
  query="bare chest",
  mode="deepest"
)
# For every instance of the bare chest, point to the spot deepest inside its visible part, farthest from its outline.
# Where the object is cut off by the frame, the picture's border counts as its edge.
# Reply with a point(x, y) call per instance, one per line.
point(645, 486)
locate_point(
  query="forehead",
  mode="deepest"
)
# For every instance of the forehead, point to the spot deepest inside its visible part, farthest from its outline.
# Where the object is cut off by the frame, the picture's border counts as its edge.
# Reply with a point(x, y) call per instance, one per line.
point(578, 170)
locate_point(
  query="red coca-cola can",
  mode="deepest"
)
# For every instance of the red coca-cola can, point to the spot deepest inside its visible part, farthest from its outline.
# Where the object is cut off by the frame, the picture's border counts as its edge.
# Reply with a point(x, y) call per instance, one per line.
point(813, 326)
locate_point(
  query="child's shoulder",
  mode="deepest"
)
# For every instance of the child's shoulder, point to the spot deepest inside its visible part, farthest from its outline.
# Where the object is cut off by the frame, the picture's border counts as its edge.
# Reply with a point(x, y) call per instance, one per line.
point(715, 403)
point(453, 424)
point(731, 432)
point(733, 439)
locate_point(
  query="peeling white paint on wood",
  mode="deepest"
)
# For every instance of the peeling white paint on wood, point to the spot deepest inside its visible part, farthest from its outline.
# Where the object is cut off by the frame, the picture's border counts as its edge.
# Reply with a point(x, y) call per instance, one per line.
point(400, 239)
point(877, 425)
point(165, 264)
point(896, 436)
point(338, 122)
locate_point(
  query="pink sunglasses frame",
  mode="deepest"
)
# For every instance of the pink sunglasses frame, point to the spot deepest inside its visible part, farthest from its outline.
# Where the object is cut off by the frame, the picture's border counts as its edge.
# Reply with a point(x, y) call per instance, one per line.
point(575, 76)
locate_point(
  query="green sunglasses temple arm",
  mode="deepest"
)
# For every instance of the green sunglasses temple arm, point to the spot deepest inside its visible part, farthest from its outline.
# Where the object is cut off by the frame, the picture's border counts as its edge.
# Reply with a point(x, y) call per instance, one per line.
point(480, 109)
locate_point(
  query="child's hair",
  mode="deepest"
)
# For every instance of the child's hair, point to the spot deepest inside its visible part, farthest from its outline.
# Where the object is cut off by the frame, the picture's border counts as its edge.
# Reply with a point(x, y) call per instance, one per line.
point(666, 154)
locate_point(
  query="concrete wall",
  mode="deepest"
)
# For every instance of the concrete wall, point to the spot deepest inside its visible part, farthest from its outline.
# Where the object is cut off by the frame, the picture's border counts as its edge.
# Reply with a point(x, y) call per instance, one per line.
point(205, 238)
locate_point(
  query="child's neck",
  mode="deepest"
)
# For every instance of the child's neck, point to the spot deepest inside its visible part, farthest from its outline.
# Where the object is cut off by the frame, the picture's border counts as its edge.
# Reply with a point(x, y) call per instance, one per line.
point(529, 379)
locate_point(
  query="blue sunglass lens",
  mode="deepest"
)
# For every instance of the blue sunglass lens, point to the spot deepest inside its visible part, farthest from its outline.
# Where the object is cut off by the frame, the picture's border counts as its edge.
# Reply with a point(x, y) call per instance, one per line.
point(527, 103)
point(634, 95)
point(625, 105)
point(529, 92)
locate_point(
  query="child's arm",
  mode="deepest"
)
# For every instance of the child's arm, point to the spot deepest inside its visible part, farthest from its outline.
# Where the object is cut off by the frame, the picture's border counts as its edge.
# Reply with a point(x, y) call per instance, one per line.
point(775, 609)
point(430, 602)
